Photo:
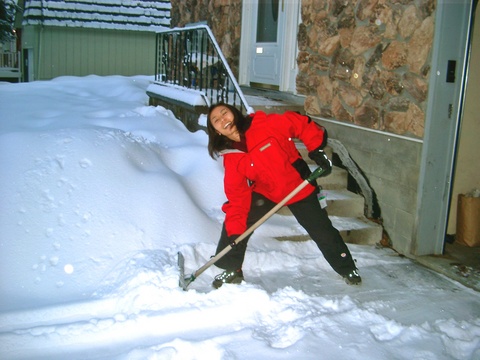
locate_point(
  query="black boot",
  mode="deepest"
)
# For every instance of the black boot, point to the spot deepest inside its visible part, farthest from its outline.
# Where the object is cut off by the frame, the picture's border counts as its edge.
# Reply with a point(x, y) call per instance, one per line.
point(228, 277)
point(352, 278)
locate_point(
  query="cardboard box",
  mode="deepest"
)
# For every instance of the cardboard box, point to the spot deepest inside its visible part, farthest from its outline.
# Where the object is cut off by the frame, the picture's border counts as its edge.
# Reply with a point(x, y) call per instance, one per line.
point(468, 220)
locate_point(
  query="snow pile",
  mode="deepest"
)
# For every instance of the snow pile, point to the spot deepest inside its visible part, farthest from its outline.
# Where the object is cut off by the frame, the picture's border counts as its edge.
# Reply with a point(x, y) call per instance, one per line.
point(99, 193)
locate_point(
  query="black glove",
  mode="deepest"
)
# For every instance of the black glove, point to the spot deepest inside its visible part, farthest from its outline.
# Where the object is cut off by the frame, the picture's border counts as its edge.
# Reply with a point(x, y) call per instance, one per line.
point(319, 156)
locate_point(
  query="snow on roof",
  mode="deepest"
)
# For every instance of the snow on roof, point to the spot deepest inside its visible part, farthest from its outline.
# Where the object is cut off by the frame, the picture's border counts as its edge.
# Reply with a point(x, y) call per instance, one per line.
point(148, 15)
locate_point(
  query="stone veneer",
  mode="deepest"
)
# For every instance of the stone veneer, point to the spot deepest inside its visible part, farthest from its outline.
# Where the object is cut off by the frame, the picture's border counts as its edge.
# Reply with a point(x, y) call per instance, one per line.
point(367, 62)
point(224, 17)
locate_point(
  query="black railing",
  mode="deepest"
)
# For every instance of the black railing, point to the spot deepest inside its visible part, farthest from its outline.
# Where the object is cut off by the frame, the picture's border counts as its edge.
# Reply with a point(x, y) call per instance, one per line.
point(191, 58)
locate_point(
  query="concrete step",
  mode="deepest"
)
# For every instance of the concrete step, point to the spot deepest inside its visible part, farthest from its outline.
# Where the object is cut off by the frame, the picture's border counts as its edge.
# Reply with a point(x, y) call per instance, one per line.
point(358, 230)
point(270, 101)
point(353, 230)
point(340, 202)
point(336, 180)
point(304, 152)
point(344, 203)
point(274, 107)
point(338, 174)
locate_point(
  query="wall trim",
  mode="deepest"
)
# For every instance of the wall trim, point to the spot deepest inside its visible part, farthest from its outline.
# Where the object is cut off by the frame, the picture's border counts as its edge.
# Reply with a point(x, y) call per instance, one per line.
point(358, 127)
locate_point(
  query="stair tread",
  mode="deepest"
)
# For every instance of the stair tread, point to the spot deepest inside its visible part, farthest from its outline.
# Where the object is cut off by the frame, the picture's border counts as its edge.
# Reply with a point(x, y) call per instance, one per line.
point(352, 223)
point(340, 202)
point(353, 230)
point(340, 194)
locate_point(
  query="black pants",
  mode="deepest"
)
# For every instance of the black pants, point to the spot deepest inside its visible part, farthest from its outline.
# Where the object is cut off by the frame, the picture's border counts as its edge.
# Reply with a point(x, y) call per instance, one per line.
point(313, 219)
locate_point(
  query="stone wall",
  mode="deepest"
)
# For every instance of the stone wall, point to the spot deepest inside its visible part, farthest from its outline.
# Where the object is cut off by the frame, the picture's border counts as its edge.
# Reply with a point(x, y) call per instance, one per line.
point(360, 61)
point(367, 62)
point(224, 17)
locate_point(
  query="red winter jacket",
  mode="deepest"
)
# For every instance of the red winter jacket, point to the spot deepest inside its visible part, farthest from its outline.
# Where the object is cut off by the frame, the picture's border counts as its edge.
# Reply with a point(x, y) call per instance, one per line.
point(267, 166)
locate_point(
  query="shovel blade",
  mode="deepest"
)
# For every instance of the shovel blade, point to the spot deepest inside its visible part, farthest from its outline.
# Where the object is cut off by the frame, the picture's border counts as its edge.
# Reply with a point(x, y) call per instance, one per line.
point(183, 281)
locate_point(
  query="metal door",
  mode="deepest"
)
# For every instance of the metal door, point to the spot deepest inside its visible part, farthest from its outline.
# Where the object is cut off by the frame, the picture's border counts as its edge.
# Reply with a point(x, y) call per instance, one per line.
point(453, 22)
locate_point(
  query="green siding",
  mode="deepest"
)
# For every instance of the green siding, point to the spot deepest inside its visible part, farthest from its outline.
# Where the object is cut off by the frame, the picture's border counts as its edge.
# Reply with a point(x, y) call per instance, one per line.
point(61, 51)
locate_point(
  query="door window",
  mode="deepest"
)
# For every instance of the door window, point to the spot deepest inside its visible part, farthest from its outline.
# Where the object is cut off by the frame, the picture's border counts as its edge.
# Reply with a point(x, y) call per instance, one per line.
point(267, 23)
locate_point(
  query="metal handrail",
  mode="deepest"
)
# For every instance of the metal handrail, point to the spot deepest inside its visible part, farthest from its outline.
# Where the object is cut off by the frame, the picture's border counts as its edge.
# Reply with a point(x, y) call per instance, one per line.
point(191, 58)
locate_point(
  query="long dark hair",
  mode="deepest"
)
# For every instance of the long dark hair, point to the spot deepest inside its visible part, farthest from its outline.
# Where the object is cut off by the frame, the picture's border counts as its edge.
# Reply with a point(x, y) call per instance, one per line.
point(217, 142)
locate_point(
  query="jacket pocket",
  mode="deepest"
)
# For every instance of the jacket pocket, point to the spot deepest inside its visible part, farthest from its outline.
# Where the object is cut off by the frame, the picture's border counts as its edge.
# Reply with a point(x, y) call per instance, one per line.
point(271, 171)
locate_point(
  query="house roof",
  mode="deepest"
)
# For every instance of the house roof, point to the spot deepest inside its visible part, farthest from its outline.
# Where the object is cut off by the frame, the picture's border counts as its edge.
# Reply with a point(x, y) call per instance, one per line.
point(147, 15)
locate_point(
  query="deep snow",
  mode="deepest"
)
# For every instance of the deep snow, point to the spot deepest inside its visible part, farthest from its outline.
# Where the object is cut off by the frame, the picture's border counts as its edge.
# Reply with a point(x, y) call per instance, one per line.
point(99, 191)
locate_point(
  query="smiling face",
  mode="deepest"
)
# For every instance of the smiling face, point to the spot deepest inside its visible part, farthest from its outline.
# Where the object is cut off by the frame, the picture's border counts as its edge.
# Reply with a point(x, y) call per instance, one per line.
point(222, 120)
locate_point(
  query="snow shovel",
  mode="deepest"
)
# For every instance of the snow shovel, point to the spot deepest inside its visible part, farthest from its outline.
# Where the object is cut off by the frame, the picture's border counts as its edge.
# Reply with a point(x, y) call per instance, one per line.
point(185, 281)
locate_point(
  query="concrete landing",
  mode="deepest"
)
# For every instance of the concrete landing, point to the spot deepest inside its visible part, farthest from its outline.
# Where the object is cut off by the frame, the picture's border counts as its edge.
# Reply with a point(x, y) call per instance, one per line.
point(270, 101)
point(459, 262)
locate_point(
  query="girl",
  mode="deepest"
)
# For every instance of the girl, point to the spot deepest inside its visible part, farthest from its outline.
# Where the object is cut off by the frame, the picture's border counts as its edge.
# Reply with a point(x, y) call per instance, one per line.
point(262, 166)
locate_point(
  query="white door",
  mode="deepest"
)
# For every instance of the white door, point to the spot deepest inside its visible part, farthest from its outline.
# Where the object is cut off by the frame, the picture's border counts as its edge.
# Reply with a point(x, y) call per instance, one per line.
point(267, 49)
